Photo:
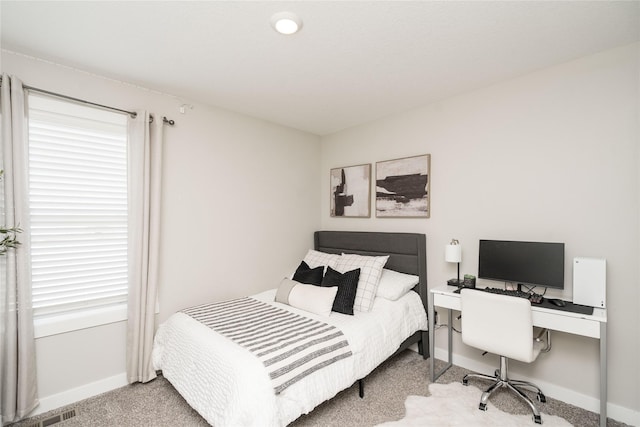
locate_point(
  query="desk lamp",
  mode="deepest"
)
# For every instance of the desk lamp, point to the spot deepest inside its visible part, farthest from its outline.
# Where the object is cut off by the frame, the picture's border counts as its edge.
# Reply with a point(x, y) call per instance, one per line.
point(453, 253)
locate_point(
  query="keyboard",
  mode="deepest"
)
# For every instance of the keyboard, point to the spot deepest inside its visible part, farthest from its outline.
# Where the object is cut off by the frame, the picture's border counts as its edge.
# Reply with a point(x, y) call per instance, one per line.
point(534, 298)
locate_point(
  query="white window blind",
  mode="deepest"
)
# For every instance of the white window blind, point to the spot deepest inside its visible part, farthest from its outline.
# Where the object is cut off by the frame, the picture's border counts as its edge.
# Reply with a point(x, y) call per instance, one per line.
point(78, 207)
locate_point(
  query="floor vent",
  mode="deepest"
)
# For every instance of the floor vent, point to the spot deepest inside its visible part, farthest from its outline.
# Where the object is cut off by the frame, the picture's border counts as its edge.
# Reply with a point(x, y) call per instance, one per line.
point(55, 419)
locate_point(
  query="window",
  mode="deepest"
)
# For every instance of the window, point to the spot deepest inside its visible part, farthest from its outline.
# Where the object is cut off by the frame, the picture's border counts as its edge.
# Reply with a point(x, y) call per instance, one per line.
point(78, 214)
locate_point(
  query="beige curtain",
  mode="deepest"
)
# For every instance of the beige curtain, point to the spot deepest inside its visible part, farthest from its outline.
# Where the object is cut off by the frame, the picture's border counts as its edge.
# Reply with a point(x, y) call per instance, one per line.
point(18, 386)
point(145, 160)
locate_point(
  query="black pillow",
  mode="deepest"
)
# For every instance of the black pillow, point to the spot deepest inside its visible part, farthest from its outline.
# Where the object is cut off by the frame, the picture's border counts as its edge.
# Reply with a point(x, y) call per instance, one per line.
point(347, 284)
point(310, 276)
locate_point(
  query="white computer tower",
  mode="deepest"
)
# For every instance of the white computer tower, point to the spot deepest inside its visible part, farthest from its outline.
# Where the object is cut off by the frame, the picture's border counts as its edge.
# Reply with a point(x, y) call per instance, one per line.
point(590, 282)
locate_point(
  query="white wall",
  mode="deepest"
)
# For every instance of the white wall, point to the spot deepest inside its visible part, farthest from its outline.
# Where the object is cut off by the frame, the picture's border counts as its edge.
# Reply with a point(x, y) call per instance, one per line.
point(239, 207)
point(550, 156)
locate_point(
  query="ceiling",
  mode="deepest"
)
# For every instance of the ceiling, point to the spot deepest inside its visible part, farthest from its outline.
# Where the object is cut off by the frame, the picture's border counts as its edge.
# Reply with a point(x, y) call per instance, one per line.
point(351, 63)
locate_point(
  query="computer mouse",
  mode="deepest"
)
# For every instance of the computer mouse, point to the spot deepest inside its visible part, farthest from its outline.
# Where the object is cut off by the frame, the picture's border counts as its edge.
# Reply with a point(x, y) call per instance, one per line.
point(557, 302)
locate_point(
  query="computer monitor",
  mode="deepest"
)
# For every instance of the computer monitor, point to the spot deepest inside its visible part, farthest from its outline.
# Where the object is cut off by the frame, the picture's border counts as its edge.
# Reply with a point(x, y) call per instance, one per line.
point(527, 263)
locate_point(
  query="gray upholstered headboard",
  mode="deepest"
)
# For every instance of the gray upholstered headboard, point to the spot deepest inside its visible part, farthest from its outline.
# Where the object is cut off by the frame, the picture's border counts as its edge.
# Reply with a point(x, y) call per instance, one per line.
point(407, 251)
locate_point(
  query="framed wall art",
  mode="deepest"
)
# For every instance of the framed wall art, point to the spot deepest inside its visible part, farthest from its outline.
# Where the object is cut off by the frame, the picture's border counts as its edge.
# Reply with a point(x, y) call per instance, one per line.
point(351, 191)
point(402, 187)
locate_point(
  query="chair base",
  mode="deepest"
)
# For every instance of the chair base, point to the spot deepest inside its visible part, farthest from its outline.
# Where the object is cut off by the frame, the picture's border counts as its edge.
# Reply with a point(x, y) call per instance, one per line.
point(500, 380)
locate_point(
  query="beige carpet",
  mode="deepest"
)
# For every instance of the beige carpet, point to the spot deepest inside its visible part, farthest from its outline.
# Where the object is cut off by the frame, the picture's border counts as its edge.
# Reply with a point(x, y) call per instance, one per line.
point(157, 404)
point(455, 398)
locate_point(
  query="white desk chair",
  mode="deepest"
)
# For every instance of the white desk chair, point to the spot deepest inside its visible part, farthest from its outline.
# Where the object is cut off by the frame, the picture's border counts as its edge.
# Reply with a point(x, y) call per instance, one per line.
point(502, 325)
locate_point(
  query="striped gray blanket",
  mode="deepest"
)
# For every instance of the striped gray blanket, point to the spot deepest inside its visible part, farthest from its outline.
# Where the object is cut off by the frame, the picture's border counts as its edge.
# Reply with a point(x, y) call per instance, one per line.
point(289, 345)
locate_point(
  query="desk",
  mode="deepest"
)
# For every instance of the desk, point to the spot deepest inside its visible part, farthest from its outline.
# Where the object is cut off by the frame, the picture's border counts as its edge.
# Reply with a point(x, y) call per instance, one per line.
point(594, 326)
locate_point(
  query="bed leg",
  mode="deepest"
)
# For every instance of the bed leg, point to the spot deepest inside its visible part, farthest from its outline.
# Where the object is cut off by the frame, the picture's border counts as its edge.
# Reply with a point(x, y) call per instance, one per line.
point(361, 388)
point(423, 345)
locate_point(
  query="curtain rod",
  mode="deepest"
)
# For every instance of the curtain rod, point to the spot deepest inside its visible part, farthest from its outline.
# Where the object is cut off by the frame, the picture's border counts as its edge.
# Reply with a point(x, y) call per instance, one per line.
point(133, 114)
point(164, 120)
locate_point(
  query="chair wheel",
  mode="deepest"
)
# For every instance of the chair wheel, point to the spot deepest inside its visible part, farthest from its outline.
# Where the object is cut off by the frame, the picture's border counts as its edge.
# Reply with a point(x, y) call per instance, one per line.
point(465, 381)
point(537, 419)
point(542, 398)
point(482, 407)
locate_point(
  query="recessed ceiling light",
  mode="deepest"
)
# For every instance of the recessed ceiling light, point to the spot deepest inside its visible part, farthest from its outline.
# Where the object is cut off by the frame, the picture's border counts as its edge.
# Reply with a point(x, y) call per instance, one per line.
point(286, 22)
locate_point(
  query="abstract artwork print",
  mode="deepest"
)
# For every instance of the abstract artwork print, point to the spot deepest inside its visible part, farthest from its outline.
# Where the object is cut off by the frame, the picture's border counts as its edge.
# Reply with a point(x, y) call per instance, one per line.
point(402, 187)
point(351, 191)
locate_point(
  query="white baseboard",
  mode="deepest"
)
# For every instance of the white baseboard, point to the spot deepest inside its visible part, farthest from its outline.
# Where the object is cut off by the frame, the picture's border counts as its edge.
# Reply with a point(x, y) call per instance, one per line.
point(73, 395)
point(617, 412)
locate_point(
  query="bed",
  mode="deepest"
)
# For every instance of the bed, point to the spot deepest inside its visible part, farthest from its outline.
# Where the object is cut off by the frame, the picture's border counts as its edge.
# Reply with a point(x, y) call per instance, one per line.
point(228, 384)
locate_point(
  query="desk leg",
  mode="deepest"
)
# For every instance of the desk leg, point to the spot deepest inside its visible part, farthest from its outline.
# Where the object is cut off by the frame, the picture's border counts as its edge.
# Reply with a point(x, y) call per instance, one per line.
point(432, 330)
point(432, 345)
point(450, 338)
point(603, 374)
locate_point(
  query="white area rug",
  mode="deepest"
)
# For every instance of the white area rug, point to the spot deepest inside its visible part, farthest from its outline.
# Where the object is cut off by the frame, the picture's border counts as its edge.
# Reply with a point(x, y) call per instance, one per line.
point(457, 405)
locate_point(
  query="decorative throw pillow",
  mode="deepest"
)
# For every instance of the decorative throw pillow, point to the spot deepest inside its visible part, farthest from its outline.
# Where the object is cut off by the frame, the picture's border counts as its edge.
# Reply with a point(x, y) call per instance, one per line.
point(311, 276)
point(282, 294)
point(347, 284)
point(314, 299)
point(370, 271)
point(315, 258)
point(394, 284)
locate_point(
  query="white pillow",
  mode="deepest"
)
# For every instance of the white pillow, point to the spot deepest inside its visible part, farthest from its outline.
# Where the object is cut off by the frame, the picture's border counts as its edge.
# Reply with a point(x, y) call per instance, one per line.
point(370, 271)
point(315, 259)
point(314, 299)
point(394, 284)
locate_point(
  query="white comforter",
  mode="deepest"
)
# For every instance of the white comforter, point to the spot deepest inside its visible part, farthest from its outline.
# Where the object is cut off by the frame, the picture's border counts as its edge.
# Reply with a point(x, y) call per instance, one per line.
point(228, 386)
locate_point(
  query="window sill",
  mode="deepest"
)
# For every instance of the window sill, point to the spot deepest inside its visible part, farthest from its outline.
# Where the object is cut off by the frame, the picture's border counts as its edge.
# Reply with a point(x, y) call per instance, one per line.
point(60, 324)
